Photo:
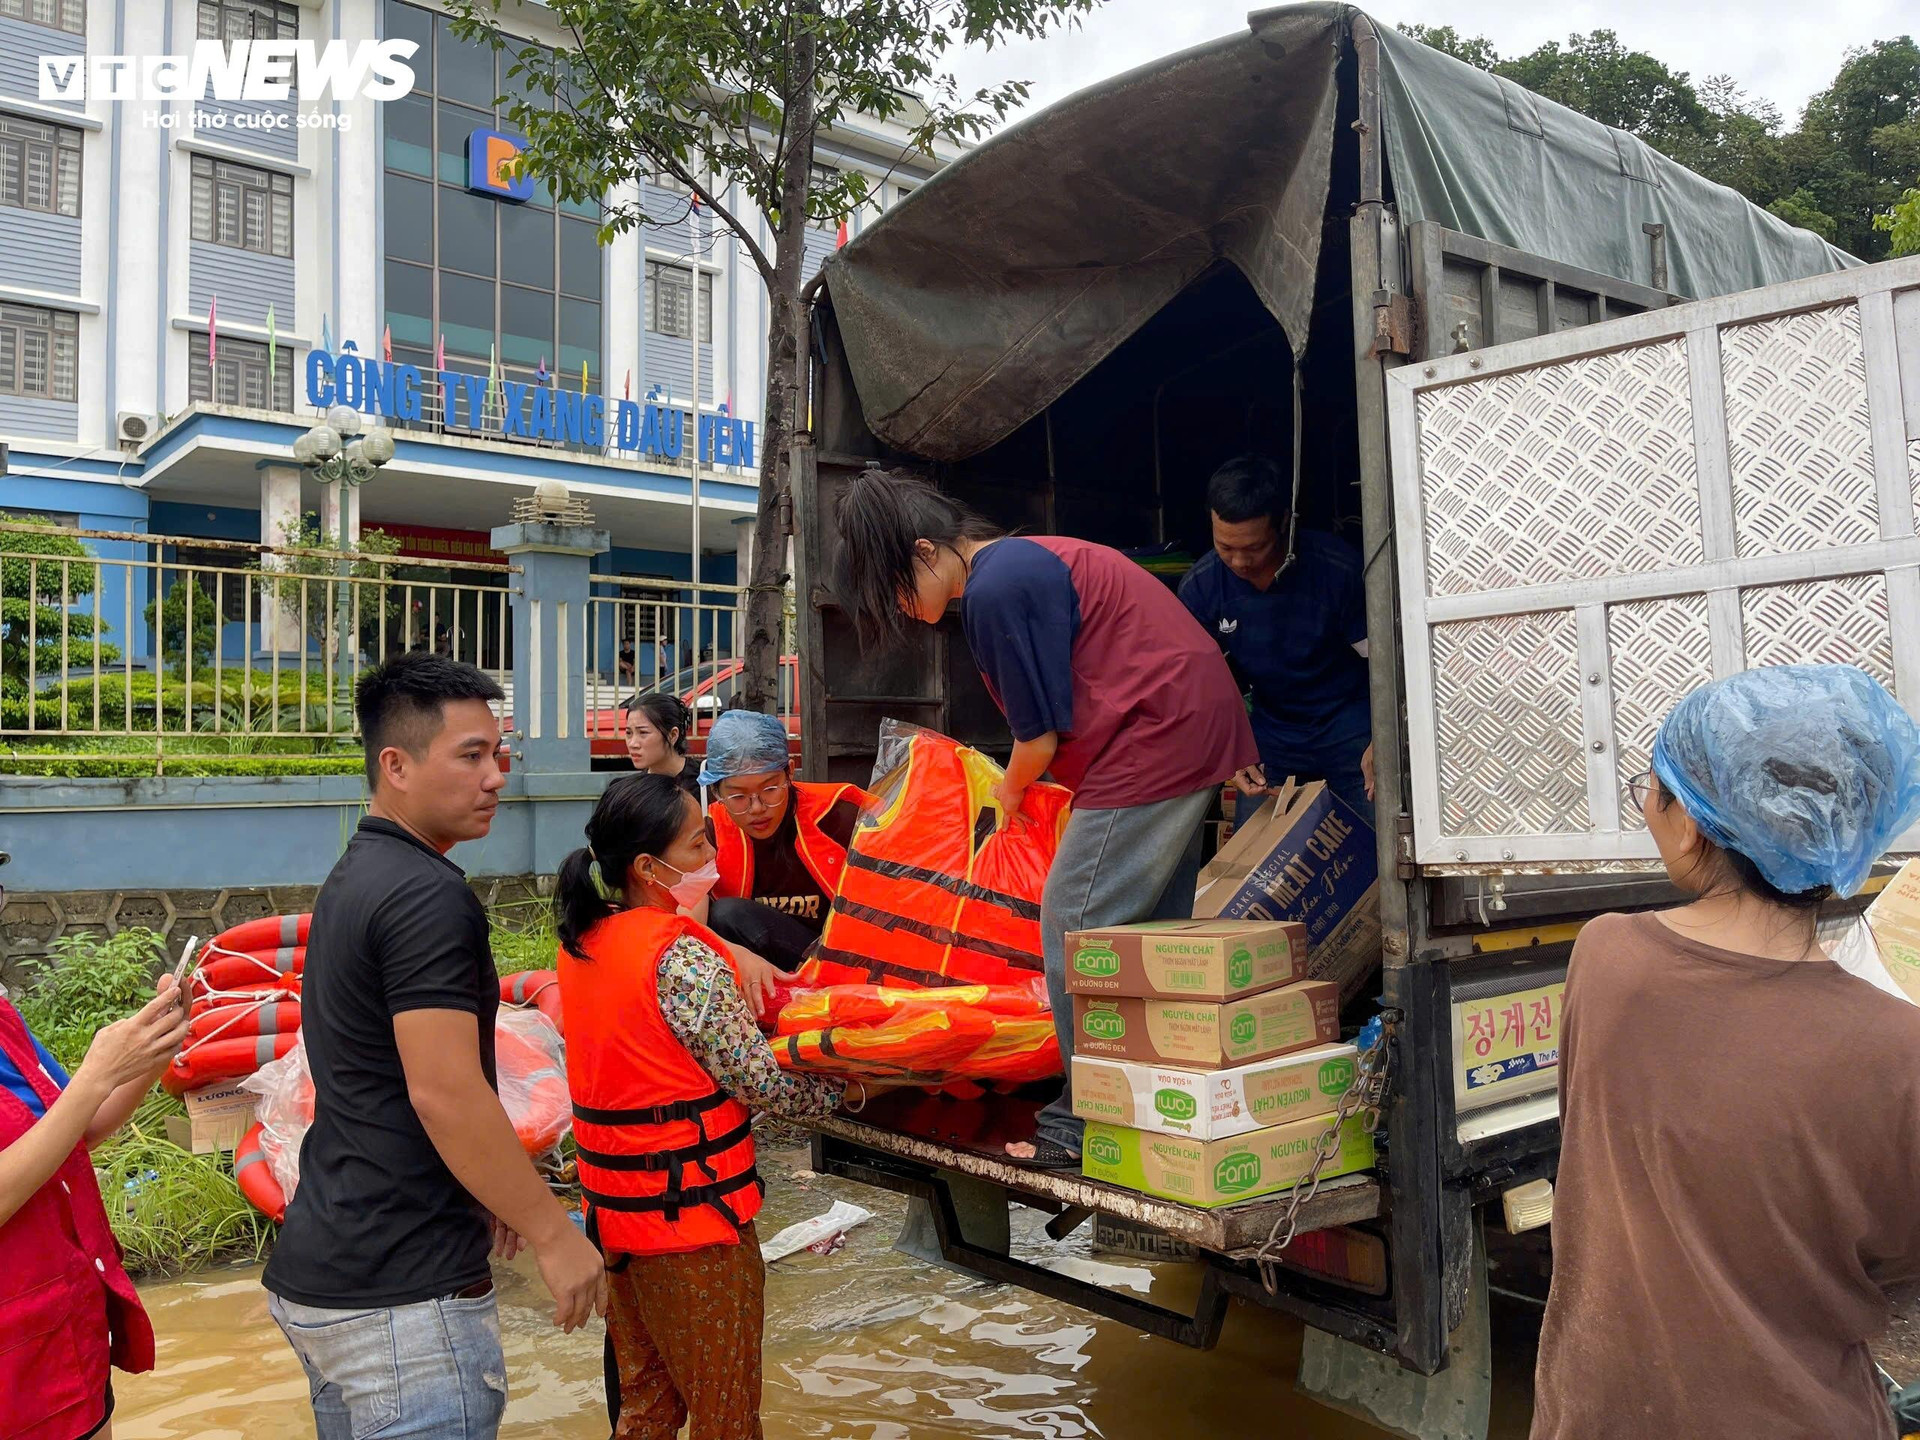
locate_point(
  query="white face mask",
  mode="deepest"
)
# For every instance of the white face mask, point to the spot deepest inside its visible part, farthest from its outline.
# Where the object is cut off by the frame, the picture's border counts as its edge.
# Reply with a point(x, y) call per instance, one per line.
point(693, 885)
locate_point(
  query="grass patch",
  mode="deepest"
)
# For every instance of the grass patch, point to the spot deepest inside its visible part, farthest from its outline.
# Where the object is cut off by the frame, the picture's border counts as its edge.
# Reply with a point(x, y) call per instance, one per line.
point(170, 1210)
point(133, 756)
point(523, 937)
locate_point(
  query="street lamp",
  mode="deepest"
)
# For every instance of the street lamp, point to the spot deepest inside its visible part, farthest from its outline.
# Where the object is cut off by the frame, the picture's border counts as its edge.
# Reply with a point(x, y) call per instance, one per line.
point(336, 453)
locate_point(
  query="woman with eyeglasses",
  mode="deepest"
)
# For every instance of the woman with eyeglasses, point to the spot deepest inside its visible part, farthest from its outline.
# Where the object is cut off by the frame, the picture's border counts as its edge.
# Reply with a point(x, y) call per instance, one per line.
point(780, 843)
point(1740, 1117)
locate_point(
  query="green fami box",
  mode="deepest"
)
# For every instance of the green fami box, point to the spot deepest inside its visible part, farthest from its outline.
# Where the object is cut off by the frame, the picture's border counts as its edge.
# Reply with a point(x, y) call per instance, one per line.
point(1208, 1173)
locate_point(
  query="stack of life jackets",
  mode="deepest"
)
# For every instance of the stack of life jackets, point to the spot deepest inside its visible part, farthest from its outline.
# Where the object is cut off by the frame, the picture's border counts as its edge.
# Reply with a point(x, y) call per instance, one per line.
point(945, 1038)
point(937, 890)
point(666, 1157)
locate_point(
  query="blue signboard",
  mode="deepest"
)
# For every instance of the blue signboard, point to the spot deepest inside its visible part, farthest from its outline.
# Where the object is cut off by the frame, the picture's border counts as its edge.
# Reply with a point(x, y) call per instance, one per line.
point(488, 151)
point(526, 411)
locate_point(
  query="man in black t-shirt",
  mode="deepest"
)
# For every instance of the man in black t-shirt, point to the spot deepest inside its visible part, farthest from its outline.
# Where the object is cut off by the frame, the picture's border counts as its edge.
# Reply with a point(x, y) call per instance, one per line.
point(411, 1171)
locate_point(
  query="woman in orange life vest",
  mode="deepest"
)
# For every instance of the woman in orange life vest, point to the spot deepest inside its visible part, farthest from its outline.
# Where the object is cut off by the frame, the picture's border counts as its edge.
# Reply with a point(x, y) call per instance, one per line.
point(67, 1308)
point(781, 843)
point(666, 1065)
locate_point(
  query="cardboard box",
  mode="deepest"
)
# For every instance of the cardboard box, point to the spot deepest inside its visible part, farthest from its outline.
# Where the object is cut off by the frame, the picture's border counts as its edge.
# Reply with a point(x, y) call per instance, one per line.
point(1216, 1104)
point(1197, 959)
point(1206, 1034)
point(1221, 1172)
point(1308, 856)
point(217, 1119)
point(1894, 919)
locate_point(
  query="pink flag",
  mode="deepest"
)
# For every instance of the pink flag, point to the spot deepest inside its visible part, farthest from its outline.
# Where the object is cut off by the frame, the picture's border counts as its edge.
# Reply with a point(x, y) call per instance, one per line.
point(213, 331)
point(386, 344)
point(626, 391)
point(841, 238)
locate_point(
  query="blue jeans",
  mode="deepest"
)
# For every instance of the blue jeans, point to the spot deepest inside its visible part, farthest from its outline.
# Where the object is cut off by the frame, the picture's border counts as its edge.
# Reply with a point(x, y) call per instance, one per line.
point(431, 1369)
point(1332, 754)
point(1113, 867)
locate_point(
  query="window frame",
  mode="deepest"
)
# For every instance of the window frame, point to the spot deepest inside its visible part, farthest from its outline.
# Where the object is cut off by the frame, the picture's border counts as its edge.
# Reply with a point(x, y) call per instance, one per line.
point(59, 142)
point(63, 12)
point(651, 309)
point(282, 16)
point(62, 331)
point(211, 174)
point(199, 562)
point(203, 381)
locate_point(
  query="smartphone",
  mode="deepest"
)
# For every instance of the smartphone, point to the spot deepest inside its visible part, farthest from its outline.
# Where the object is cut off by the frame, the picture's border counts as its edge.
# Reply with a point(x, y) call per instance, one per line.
point(185, 967)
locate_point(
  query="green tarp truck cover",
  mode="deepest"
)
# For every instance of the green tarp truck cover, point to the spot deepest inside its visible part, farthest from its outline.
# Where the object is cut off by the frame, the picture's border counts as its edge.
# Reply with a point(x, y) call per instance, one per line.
point(975, 303)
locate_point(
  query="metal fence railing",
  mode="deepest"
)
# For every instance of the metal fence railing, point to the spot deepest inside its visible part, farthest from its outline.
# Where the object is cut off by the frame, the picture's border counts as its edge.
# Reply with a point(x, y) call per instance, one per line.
point(105, 641)
point(651, 634)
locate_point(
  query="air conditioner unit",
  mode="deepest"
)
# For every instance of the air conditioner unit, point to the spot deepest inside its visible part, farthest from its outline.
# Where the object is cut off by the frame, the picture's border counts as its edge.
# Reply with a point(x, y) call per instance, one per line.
point(133, 429)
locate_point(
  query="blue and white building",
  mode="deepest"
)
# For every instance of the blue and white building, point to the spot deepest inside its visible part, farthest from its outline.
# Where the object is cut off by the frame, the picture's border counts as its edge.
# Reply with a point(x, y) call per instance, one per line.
point(307, 236)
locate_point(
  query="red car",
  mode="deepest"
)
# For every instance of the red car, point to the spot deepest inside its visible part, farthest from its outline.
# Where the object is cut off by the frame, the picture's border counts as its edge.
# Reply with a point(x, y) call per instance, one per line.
point(706, 689)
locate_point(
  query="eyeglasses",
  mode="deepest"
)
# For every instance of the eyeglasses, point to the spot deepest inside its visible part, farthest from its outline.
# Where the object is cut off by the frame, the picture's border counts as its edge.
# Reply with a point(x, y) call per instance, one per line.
point(767, 797)
point(1638, 787)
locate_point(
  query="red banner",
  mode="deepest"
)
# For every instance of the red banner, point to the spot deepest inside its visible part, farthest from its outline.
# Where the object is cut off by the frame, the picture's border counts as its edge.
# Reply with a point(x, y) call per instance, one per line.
point(430, 542)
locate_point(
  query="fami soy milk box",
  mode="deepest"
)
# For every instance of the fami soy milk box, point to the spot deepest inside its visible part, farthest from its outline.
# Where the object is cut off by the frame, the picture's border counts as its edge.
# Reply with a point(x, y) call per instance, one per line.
point(1220, 1172)
point(1187, 959)
point(1213, 1104)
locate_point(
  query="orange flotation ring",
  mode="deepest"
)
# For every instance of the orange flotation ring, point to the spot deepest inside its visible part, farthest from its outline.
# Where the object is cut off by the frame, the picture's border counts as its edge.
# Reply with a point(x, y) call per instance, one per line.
point(540, 988)
point(209, 1062)
point(937, 891)
point(251, 1018)
point(255, 1177)
point(271, 933)
point(259, 995)
point(533, 1089)
point(248, 969)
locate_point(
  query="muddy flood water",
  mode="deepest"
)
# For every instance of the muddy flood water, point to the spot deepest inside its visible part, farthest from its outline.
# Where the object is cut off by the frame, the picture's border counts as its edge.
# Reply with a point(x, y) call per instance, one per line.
point(865, 1344)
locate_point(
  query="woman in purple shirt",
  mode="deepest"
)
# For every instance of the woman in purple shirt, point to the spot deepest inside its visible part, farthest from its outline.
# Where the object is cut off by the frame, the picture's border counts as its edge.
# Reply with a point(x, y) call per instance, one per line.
point(1106, 681)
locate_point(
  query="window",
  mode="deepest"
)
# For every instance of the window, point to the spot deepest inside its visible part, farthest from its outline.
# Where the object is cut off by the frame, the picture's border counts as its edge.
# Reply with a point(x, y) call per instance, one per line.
point(39, 353)
point(228, 590)
point(39, 166)
point(240, 206)
point(67, 15)
point(249, 20)
point(59, 519)
point(240, 376)
point(670, 296)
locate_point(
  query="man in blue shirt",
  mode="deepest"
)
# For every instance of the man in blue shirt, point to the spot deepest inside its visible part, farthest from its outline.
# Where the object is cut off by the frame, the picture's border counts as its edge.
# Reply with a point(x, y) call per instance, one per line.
point(1294, 632)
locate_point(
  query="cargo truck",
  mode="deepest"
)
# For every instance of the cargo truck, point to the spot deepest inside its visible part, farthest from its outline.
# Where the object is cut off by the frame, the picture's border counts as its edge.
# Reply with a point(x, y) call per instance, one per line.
point(1601, 431)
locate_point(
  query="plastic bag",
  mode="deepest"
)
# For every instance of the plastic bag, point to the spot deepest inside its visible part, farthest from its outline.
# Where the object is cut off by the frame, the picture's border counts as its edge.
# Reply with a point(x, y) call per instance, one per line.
point(1810, 771)
point(530, 1065)
point(283, 1111)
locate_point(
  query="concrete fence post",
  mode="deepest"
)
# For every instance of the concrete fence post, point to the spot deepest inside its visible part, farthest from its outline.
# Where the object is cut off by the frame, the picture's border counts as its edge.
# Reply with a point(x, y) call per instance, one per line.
point(550, 660)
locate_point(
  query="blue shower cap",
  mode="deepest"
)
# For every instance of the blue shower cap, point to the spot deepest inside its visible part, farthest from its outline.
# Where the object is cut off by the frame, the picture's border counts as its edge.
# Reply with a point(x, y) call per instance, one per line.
point(744, 742)
point(1810, 771)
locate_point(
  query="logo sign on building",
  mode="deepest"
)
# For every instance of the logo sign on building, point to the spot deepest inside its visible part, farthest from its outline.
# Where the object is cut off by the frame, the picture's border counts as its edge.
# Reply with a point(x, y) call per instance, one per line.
point(240, 70)
point(488, 153)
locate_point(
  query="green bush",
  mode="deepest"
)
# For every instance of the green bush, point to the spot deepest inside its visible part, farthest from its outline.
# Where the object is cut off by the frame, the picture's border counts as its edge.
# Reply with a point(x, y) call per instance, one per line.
point(241, 700)
point(88, 981)
point(55, 590)
point(170, 1210)
point(523, 938)
point(186, 604)
point(123, 767)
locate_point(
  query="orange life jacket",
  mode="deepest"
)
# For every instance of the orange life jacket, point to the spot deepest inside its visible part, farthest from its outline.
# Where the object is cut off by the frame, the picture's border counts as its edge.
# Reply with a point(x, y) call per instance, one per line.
point(935, 891)
point(666, 1156)
point(823, 857)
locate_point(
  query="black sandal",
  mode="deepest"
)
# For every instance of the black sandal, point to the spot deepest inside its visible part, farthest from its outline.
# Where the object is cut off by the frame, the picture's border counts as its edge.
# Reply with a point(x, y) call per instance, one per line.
point(1047, 1155)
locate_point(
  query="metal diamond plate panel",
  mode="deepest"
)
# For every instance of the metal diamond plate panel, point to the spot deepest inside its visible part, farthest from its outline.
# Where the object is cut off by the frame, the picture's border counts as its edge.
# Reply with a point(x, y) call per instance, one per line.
point(1507, 697)
point(1823, 622)
point(1657, 651)
point(1563, 472)
point(1799, 443)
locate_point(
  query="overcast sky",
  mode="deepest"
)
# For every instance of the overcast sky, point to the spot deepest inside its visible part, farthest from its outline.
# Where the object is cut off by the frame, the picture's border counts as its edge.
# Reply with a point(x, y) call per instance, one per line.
point(1783, 50)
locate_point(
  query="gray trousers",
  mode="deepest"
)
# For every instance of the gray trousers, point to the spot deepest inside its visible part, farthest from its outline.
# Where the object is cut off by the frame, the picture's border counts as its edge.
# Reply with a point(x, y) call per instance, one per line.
point(1114, 867)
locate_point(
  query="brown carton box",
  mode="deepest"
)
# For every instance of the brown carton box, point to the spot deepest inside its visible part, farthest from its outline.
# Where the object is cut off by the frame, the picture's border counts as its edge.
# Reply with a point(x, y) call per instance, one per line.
point(1213, 1104)
point(1186, 959)
point(217, 1119)
point(1207, 1034)
point(1894, 920)
point(1220, 1172)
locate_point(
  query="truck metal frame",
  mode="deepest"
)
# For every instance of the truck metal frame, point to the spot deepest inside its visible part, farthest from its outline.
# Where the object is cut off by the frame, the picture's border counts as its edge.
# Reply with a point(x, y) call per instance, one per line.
point(1429, 298)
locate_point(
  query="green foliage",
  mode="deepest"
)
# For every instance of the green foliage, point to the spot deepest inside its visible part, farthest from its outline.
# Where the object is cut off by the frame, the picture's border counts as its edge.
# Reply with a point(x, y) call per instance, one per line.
point(87, 982)
point(1902, 222)
point(523, 938)
point(313, 588)
point(1842, 172)
point(187, 609)
point(244, 701)
point(38, 596)
point(170, 1210)
point(83, 767)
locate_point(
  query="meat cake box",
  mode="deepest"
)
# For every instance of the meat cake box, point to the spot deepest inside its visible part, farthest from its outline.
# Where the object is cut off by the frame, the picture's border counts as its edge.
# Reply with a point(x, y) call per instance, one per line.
point(1213, 1104)
point(1207, 1034)
point(1186, 959)
point(1219, 1172)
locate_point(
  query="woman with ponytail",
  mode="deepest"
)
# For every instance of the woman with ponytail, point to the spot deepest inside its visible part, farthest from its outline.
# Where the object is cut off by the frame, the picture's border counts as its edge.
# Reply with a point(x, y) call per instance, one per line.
point(666, 1067)
point(1105, 680)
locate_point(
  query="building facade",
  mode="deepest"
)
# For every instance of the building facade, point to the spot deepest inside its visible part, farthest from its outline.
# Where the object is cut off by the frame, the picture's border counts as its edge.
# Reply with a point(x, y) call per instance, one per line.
point(188, 282)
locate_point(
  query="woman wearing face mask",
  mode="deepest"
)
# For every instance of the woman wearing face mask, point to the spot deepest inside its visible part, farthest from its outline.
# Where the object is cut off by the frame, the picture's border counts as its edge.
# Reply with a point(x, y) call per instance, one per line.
point(666, 1066)
point(1740, 1117)
point(658, 725)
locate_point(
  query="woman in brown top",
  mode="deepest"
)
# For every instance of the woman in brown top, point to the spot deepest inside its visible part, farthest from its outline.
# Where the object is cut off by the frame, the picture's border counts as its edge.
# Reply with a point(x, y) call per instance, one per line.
point(1739, 1176)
